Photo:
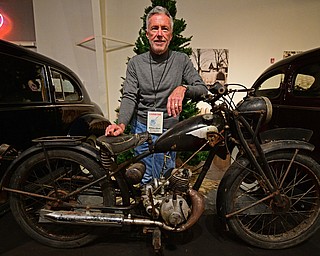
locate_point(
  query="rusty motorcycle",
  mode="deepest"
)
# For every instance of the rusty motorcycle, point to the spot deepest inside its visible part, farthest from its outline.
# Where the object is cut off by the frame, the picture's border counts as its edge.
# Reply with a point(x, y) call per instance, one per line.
point(62, 189)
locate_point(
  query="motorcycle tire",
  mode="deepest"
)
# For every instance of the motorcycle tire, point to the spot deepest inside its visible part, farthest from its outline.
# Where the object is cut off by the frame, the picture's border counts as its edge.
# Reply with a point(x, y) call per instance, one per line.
point(68, 171)
point(254, 214)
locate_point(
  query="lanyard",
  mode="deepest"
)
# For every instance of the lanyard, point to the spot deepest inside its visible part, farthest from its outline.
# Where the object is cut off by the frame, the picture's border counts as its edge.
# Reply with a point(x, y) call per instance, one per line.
point(156, 88)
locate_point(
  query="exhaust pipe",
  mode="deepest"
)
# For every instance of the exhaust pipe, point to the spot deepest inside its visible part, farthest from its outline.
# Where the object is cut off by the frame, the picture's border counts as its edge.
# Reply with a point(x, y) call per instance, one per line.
point(198, 207)
point(81, 218)
point(96, 218)
point(118, 219)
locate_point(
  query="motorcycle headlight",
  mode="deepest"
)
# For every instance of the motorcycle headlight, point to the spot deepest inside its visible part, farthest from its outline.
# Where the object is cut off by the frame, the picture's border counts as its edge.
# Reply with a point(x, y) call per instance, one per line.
point(254, 106)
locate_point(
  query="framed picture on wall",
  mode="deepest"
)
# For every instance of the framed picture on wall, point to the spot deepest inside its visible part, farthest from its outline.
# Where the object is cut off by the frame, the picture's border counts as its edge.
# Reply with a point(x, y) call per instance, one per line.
point(287, 54)
point(211, 64)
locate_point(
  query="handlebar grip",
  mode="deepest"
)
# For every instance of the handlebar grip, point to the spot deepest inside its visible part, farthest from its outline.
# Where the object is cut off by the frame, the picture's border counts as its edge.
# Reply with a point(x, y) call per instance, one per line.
point(218, 88)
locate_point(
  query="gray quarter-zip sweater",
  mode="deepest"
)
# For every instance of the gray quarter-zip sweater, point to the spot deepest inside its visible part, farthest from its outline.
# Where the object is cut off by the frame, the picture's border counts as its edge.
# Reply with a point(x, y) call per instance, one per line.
point(150, 79)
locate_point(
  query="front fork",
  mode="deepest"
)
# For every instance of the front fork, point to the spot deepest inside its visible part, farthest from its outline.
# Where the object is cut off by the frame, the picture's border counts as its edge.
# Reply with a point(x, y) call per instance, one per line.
point(257, 157)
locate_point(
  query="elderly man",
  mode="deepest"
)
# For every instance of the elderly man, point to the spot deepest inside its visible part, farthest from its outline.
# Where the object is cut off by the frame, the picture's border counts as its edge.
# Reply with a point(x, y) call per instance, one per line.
point(156, 84)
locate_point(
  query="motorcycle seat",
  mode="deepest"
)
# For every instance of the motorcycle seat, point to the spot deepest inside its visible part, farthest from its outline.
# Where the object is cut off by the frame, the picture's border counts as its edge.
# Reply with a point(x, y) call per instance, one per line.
point(122, 143)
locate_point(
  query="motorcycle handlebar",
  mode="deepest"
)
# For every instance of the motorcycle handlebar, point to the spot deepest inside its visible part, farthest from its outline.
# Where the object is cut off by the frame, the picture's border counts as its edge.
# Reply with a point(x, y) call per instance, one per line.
point(218, 88)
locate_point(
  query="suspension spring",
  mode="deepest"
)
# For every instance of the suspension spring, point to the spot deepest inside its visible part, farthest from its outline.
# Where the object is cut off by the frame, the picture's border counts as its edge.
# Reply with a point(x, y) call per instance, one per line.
point(106, 161)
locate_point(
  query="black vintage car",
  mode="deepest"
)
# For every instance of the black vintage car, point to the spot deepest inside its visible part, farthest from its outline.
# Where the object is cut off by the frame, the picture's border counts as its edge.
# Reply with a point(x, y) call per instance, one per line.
point(41, 97)
point(293, 86)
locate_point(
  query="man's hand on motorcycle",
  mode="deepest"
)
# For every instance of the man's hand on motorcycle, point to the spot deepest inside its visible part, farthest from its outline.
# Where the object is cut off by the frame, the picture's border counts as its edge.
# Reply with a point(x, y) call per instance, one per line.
point(115, 129)
point(174, 104)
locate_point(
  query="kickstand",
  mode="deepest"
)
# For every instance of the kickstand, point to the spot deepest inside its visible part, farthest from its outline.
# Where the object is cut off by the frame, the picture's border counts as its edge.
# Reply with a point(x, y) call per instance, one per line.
point(156, 241)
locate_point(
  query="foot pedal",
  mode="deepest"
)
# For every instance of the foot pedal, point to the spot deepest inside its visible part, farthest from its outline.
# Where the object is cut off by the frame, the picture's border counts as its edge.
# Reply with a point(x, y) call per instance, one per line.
point(156, 239)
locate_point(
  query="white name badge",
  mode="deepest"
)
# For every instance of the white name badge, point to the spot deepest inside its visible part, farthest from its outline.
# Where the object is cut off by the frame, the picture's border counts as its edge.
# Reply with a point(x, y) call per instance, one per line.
point(155, 122)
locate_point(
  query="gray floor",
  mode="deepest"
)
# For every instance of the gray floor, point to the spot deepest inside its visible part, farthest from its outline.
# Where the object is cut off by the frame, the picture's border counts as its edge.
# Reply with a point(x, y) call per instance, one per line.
point(207, 237)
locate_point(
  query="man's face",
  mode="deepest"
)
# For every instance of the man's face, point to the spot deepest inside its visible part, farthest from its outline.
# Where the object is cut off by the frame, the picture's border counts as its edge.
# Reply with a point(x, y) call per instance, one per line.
point(159, 33)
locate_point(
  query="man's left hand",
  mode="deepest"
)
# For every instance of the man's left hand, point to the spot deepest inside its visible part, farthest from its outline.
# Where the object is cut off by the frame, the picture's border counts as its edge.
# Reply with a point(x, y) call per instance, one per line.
point(174, 104)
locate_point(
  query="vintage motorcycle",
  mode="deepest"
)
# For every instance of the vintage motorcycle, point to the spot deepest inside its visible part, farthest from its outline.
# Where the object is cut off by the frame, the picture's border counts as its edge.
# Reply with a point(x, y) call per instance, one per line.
point(62, 188)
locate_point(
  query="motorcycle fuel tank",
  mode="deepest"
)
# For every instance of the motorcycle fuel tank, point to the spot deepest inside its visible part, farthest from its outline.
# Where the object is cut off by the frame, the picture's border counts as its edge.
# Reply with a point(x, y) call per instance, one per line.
point(189, 134)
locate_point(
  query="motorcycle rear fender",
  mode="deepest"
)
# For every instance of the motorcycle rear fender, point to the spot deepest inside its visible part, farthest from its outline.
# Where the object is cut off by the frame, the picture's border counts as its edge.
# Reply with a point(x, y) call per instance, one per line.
point(73, 145)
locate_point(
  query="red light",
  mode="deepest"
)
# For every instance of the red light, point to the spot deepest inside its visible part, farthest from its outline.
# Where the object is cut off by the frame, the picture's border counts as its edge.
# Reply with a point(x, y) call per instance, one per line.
point(5, 25)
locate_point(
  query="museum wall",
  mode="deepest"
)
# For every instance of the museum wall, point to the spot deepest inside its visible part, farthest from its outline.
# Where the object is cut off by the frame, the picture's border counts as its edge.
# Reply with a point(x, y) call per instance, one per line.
point(59, 26)
point(254, 32)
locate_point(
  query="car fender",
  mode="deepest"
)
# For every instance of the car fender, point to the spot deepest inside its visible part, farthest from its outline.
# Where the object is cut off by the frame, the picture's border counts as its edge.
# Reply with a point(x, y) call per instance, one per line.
point(89, 124)
point(70, 144)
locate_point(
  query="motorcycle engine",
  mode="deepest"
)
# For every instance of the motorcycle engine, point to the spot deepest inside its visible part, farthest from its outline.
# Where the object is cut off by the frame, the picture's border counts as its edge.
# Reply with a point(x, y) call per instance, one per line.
point(166, 197)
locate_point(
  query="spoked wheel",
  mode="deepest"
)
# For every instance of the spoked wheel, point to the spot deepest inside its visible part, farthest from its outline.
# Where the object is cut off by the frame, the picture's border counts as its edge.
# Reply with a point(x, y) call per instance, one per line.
point(68, 171)
point(272, 221)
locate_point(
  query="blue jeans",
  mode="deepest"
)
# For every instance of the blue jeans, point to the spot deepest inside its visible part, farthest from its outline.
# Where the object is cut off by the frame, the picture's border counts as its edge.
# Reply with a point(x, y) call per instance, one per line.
point(154, 162)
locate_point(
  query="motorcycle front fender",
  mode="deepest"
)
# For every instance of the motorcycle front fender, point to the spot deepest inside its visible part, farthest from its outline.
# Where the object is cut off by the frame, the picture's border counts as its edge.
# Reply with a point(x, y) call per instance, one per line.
point(288, 133)
point(286, 144)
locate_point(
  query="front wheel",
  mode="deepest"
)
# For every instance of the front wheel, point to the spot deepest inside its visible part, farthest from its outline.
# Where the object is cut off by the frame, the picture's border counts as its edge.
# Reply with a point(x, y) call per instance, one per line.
point(69, 170)
point(253, 213)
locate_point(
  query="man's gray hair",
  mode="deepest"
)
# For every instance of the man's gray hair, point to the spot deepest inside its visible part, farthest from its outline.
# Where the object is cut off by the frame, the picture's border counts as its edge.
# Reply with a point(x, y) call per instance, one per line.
point(159, 10)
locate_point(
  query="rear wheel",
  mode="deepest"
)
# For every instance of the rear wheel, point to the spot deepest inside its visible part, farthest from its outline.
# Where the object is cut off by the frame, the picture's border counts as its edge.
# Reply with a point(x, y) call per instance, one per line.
point(254, 214)
point(68, 171)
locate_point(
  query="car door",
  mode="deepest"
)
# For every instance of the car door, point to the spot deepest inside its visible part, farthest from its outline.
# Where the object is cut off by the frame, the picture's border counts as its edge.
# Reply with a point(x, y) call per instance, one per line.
point(25, 108)
point(301, 105)
point(271, 85)
point(71, 101)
